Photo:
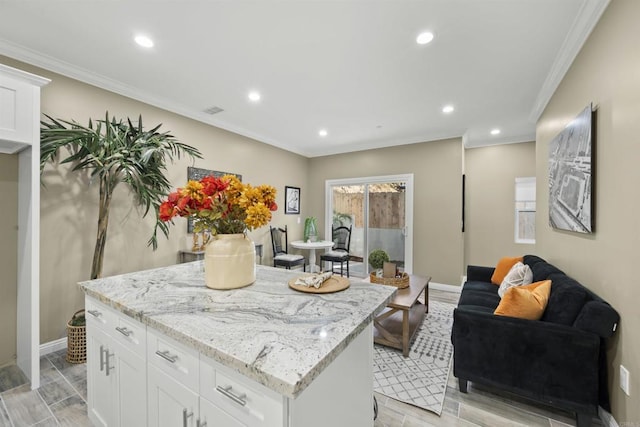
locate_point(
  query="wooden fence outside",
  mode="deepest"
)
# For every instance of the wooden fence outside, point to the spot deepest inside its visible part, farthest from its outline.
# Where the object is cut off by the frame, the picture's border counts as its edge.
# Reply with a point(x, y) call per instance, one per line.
point(386, 210)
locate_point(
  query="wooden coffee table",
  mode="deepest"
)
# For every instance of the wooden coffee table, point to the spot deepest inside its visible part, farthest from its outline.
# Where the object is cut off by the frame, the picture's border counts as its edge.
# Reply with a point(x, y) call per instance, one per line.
point(396, 325)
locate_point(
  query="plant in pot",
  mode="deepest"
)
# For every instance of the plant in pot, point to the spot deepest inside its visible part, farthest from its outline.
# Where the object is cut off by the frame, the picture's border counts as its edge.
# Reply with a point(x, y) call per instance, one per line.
point(377, 258)
point(116, 152)
point(310, 229)
point(113, 152)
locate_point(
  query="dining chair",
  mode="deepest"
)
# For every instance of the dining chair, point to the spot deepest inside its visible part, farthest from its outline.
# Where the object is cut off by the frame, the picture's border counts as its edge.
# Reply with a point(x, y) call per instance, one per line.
point(281, 257)
point(341, 237)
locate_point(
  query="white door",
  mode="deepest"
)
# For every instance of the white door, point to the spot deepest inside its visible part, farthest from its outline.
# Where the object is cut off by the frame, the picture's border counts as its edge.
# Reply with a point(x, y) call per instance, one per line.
point(131, 380)
point(380, 212)
point(171, 404)
point(100, 386)
point(212, 415)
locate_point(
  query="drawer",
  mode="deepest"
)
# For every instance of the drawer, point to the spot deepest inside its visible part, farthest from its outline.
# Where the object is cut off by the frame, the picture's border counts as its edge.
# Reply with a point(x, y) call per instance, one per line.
point(99, 315)
point(173, 358)
point(241, 397)
point(131, 334)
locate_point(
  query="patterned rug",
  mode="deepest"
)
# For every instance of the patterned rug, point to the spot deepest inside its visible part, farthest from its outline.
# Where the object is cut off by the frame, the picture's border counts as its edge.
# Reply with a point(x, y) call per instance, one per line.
point(421, 378)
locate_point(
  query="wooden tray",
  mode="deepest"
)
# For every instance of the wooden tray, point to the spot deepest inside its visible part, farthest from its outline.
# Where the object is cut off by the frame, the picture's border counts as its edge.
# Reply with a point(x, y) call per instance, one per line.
point(333, 284)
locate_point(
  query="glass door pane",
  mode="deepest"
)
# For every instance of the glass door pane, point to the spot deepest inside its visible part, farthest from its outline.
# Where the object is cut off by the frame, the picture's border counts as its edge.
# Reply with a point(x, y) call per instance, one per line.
point(348, 209)
point(386, 228)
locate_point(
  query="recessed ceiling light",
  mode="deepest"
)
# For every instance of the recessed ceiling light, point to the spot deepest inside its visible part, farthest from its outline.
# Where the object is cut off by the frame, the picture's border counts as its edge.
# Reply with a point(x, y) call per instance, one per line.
point(254, 96)
point(144, 41)
point(424, 38)
point(448, 109)
point(495, 131)
point(323, 132)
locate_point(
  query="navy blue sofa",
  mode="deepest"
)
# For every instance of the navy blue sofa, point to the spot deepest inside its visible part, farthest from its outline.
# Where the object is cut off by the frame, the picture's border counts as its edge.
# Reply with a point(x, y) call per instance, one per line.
point(559, 360)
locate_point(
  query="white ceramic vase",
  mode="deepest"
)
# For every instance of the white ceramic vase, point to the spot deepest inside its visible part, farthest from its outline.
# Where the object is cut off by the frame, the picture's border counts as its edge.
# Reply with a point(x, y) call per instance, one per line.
point(229, 262)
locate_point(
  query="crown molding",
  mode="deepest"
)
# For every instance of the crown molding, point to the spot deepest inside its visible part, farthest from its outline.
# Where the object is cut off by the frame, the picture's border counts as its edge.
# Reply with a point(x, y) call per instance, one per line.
point(585, 22)
point(65, 69)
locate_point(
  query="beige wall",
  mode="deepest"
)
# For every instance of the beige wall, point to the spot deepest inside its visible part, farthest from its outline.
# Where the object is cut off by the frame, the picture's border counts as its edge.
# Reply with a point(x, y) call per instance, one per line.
point(437, 169)
point(489, 201)
point(69, 201)
point(607, 73)
point(8, 256)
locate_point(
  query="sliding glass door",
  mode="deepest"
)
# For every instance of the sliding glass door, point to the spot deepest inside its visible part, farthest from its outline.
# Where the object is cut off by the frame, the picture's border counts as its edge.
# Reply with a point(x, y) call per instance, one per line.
point(380, 212)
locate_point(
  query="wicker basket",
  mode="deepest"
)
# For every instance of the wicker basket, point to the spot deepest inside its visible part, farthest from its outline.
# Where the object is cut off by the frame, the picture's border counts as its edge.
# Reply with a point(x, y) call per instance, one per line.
point(399, 282)
point(76, 341)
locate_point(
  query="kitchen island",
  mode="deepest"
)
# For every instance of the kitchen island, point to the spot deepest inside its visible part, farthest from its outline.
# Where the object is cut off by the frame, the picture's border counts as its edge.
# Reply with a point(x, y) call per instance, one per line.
point(163, 349)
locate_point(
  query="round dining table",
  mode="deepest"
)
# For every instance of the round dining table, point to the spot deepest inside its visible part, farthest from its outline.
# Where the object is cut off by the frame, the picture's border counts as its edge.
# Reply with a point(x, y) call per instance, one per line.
point(312, 246)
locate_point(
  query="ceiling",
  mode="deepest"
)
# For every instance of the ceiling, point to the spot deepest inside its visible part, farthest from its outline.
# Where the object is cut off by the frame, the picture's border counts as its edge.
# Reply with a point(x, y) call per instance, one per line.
point(351, 67)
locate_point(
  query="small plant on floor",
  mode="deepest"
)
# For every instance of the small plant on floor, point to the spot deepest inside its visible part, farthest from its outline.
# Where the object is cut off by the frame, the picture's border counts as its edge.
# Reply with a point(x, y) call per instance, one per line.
point(377, 258)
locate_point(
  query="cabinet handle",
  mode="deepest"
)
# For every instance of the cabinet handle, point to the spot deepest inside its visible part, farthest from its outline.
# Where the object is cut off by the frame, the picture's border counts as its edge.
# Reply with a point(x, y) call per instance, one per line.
point(124, 331)
point(226, 391)
point(185, 417)
point(101, 358)
point(106, 364)
point(94, 313)
point(201, 424)
point(167, 356)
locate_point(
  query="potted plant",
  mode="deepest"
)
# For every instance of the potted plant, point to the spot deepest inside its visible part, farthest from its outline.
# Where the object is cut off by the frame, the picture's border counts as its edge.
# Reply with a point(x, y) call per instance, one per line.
point(377, 258)
point(310, 229)
point(116, 152)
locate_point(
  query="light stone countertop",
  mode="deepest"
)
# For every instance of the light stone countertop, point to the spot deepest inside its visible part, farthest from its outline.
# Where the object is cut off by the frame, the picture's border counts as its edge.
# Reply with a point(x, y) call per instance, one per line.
point(267, 331)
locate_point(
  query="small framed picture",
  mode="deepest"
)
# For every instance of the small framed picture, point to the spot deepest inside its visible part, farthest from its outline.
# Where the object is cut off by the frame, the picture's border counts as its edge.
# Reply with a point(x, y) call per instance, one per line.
point(291, 200)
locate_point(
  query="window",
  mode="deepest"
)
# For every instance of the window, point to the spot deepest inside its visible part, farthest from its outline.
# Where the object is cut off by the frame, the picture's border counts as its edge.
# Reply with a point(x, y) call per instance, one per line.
point(525, 203)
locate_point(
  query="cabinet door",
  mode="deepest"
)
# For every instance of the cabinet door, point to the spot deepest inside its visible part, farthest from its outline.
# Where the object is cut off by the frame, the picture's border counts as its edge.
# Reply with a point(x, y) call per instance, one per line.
point(171, 404)
point(131, 384)
point(100, 386)
point(212, 416)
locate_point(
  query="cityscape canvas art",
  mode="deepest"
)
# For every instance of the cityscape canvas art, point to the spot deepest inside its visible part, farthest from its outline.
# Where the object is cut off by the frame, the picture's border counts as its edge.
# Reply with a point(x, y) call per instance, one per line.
point(570, 176)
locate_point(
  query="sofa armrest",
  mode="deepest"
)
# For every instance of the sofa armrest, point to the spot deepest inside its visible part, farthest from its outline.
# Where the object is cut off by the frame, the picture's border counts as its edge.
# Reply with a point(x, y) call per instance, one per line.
point(542, 360)
point(478, 273)
point(598, 317)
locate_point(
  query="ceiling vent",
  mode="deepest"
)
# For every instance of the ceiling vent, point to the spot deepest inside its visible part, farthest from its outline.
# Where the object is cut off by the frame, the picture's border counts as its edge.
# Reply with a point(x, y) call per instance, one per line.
point(213, 110)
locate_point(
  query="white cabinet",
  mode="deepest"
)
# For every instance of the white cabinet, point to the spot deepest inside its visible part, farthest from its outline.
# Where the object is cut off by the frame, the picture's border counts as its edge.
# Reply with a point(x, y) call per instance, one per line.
point(100, 386)
point(116, 369)
point(137, 376)
point(171, 403)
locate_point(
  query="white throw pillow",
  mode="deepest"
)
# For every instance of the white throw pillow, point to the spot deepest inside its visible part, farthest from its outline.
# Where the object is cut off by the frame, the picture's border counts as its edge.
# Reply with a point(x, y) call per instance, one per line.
point(520, 274)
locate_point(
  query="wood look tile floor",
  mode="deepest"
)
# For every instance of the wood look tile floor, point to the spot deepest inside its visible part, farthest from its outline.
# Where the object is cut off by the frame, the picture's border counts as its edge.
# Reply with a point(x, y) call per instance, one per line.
point(61, 400)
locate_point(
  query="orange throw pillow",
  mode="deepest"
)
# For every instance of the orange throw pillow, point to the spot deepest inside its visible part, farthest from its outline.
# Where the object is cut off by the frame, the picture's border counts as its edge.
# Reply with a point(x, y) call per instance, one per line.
point(525, 302)
point(503, 267)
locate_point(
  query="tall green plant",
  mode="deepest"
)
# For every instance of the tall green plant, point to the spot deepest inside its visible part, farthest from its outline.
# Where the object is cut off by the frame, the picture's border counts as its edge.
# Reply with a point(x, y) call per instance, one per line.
point(116, 151)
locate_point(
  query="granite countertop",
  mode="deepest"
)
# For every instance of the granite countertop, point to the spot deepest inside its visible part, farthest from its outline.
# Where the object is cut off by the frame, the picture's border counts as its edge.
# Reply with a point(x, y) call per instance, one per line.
point(267, 331)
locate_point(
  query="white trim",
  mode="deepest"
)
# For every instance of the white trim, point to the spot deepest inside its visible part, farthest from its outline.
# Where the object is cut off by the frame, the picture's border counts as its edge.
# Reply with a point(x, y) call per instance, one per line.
point(445, 288)
point(53, 346)
point(585, 21)
point(606, 418)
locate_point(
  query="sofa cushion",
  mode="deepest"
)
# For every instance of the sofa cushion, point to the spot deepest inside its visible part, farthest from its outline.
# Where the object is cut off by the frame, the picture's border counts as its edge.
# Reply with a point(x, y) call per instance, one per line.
point(566, 300)
point(502, 268)
point(525, 302)
point(520, 274)
point(481, 298)
point(542, 271)
point(475, 285)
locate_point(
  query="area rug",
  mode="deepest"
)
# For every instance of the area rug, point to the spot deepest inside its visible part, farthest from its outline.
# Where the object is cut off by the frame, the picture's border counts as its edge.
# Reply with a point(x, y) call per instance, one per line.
point(421, 378)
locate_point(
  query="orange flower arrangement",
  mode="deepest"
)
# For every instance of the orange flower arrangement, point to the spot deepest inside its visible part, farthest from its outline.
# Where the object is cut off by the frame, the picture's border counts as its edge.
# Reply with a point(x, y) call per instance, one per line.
point(221, 205)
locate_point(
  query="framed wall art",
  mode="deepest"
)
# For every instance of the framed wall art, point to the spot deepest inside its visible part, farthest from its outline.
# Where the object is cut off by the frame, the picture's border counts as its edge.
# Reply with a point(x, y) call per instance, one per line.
point(291, 200)
point(571, 175)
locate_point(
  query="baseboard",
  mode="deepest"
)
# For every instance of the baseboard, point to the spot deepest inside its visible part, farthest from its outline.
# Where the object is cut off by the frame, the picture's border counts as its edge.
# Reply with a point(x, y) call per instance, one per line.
point(445, 288)
point(53, 346)
point(606, 418)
